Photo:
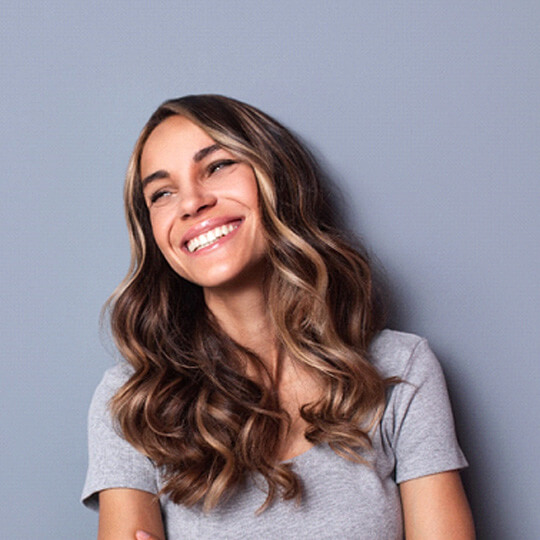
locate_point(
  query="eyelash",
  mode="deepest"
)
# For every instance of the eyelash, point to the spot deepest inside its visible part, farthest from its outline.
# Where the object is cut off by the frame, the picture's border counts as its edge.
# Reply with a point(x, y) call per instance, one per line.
point(157, 195)
point(216, 166)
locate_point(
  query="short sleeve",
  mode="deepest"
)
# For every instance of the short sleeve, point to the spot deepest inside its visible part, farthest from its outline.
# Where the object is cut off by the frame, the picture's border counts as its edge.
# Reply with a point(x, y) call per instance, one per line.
point(112, 461)
point(424, 439)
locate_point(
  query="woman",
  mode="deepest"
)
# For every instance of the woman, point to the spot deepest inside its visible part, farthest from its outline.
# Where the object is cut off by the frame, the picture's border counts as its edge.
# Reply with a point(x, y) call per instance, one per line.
point(259, 396)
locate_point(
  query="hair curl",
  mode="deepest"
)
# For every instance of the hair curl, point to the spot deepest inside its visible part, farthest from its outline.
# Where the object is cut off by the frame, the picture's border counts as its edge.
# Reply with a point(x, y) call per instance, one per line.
point(189, 405)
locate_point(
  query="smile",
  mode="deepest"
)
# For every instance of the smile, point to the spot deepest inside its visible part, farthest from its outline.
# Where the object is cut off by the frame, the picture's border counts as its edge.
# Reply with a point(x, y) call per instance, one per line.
point(210, 237)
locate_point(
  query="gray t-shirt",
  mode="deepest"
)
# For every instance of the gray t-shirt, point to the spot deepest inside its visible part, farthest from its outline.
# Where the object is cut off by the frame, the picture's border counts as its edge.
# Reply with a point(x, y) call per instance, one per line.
point(341, 499)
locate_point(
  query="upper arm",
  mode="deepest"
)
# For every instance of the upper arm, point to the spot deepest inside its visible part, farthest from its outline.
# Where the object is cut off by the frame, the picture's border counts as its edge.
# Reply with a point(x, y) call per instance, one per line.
point(124, 511)
point(422, 429)
point(435, 507)
point(112, 461)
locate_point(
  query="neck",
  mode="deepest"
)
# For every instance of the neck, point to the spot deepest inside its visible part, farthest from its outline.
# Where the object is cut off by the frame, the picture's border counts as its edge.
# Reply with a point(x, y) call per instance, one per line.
point(243, 315)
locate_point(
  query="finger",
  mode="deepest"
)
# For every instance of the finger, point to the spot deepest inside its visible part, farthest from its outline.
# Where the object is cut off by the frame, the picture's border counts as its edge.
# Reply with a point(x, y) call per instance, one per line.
point(143, 535)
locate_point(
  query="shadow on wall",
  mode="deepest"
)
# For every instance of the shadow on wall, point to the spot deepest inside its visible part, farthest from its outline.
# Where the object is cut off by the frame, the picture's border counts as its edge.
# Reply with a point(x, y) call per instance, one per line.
point(478, 479)
point(339, 215)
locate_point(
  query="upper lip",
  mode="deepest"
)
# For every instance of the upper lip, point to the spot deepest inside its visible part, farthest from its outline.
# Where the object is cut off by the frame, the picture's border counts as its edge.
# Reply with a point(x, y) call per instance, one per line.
point(207, 225)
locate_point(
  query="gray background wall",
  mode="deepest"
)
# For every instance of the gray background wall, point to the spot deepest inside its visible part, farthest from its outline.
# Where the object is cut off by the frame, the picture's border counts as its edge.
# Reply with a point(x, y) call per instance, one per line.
point(427, 114)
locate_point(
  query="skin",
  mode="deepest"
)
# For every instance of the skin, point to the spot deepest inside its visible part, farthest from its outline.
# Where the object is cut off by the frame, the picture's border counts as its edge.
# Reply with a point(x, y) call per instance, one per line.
point(435, 507)
point(185, 193)
point(122, 512)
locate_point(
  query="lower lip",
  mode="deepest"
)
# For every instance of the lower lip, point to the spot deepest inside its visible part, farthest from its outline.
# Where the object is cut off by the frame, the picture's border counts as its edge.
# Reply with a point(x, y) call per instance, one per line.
point(217, 244)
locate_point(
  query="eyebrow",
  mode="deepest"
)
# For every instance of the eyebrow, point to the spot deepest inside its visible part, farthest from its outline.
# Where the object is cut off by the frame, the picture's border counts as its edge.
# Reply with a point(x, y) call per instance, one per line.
point(158, 175)
point(199, 156)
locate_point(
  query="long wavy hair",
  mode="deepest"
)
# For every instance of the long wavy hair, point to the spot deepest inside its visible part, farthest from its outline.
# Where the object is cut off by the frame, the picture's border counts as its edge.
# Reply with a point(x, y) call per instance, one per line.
point(189, 405)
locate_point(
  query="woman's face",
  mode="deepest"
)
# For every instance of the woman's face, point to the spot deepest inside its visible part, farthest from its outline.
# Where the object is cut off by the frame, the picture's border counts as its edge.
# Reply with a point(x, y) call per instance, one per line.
point(203, 205)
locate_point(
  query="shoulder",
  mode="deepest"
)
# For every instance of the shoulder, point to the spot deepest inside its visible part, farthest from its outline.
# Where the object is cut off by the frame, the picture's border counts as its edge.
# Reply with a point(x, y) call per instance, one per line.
point(115, 377)
point(417, 423)
point(112, 380)
point(113, 462)
point(397, 354)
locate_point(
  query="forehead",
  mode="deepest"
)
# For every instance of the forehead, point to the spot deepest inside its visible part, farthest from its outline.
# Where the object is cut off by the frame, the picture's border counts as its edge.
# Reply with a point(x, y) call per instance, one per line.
point(175, 139)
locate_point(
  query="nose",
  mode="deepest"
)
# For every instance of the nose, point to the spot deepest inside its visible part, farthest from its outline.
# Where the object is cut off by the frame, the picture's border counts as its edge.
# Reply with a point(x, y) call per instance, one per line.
point(194, 200)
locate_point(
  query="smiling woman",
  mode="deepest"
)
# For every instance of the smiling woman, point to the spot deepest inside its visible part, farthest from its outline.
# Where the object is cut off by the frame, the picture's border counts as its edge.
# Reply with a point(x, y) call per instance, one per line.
point(203, 206)
point(259, 395)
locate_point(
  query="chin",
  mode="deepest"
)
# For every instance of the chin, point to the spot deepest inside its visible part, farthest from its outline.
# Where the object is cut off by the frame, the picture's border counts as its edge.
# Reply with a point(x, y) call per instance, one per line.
point(214, 278)
point(226, 277)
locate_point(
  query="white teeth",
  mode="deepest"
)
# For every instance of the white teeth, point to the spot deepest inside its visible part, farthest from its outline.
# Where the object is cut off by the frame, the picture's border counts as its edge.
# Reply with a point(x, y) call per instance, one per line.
point(209, 237)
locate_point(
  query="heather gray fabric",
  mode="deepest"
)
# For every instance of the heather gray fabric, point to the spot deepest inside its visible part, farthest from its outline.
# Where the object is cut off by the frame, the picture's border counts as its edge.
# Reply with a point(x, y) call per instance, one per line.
point(341, 499)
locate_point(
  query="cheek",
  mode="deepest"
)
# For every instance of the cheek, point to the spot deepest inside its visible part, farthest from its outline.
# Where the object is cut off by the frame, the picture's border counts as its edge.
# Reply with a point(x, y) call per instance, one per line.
point(254, 193)
point(155, 224)
point(246, 189)
point(159, 231)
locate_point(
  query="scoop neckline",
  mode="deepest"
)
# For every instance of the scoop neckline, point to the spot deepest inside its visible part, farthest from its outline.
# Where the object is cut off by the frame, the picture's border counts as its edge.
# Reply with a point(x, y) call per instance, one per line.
point(303, 454)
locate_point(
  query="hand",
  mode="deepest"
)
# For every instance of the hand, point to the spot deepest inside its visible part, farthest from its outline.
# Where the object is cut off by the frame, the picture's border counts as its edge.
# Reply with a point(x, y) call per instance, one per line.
point(143, 535)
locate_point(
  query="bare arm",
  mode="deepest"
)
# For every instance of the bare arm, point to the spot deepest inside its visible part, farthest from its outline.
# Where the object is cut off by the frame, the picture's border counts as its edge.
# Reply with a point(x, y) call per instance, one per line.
point(122, 512)
point(435, 507)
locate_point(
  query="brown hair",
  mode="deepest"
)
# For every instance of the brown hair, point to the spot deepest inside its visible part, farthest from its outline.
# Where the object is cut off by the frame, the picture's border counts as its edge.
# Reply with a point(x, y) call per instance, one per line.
point(189, 405)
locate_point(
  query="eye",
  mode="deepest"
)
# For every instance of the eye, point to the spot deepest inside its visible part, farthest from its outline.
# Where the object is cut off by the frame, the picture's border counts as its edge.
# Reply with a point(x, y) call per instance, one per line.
point(218, 165)
point(159, 195)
